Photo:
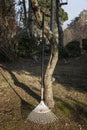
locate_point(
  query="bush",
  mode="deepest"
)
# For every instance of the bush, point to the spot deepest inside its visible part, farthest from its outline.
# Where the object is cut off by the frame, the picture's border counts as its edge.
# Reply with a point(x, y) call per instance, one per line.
point(29, 47)
point(73, 49)
point(84, 44)
point(63, 52)
point(26, 46)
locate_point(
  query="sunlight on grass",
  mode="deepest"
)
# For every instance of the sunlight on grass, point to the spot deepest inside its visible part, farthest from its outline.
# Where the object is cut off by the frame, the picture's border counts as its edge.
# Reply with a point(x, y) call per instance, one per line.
point(70, 108)
point(65, 108)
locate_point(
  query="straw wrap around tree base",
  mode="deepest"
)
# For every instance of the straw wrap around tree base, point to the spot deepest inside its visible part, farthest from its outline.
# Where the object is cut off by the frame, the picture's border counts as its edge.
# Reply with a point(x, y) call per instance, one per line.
point(42, 115)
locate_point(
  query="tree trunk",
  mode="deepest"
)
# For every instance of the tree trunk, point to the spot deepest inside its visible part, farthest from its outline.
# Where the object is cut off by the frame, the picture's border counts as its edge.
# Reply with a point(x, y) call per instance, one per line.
point(52, 18)
point(60, 30)
point(53, 57)
point(48, 79)
point(30, 20)
point(25, 13)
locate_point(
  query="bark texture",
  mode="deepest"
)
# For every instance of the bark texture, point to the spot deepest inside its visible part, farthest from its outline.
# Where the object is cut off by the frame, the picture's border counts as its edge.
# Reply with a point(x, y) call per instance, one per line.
point(53, 57)
point(48, 77)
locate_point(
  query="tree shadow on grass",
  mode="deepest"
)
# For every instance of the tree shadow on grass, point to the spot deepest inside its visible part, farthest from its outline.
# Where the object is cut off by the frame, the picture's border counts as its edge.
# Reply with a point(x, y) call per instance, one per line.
point(25, 107)
point(80, 111)
point(77, 111)
point(72, 75)
point(23, 86)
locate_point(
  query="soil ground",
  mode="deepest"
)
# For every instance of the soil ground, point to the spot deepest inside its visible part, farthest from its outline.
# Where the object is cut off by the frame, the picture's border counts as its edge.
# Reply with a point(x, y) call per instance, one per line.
point(20, 93)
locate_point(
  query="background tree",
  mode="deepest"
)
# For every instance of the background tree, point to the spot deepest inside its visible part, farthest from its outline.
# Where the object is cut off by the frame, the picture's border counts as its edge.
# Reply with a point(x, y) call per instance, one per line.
point(25, 12)
point(61, 16)
point(7, 28)
point(31, 19)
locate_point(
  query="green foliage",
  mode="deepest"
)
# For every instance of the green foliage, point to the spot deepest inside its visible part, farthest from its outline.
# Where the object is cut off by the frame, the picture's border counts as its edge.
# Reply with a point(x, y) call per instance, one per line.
point(63, 15)
point(27, 47)
point(44, 3)
point(47, 4)
point(71, 50)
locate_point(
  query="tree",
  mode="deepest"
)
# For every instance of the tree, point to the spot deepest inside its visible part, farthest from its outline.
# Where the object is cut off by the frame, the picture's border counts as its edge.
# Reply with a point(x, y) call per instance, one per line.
point(25, 12)
point(52, 17)
point(48, 79)
point(30, 19)
point(61, 16)
point(7, 27)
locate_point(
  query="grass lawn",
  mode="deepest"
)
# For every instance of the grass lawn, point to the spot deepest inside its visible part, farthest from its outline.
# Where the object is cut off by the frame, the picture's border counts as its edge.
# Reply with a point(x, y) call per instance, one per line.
point(69, 88)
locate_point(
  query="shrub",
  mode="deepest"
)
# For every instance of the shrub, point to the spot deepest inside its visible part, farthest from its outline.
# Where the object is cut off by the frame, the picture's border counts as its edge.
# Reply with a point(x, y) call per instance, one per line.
point(73, 49)
point(84, 44)
point(26, 46)
point(63, 52)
